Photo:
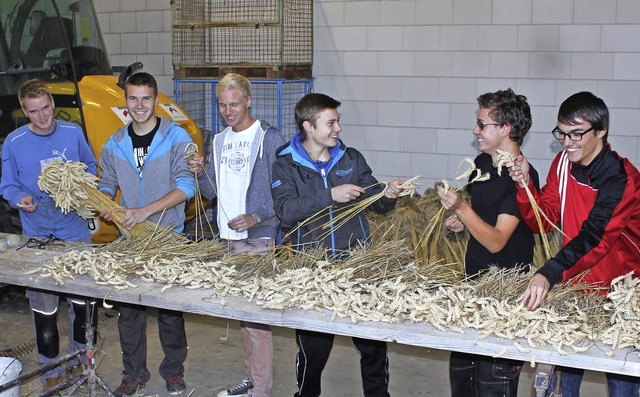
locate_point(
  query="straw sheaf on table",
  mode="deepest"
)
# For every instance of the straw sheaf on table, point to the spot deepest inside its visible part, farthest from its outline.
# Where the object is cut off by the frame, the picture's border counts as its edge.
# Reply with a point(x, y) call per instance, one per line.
point(383, 284)
point(393, 280)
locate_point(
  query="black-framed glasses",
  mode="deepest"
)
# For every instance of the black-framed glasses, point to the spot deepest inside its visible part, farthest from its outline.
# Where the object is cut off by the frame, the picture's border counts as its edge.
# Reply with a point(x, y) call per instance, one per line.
point(481, 124)
point(574, 136)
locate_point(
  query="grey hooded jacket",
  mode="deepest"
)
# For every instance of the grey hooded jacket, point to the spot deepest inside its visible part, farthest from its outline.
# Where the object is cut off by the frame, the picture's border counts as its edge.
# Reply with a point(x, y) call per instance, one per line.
point(165, 168)
point(259, 201)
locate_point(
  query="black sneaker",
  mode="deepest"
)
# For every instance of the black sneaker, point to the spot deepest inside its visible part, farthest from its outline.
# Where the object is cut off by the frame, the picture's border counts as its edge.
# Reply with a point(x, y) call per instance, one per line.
point(175, 384)
point(129, 387)
point(241, 390)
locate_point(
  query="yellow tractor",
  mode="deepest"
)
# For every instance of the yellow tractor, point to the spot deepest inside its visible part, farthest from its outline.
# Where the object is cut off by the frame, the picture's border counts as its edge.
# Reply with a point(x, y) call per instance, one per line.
point(60, 42)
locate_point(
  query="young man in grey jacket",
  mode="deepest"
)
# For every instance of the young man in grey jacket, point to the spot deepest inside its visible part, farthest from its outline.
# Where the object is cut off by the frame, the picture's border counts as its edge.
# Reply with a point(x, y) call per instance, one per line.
point(238, 174)
point(145, 160)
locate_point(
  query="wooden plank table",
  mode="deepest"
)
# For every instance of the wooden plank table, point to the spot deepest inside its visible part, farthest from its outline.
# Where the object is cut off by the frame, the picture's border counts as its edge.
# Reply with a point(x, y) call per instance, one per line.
point(14, 264)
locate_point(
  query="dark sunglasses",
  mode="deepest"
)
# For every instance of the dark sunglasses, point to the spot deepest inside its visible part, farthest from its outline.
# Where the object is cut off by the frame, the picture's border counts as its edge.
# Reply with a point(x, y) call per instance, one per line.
point(481, 124)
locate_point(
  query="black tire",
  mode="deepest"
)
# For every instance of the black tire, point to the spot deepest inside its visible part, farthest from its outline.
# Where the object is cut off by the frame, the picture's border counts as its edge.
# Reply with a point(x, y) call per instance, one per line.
point(9, 218)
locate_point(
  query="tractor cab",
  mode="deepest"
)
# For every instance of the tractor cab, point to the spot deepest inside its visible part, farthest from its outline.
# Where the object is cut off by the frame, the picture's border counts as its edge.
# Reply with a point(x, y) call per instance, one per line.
point(60, 42)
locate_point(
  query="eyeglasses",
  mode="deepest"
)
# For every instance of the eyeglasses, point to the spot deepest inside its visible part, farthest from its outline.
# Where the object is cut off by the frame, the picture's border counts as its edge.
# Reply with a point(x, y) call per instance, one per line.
point(481, 124)
point(574, 136)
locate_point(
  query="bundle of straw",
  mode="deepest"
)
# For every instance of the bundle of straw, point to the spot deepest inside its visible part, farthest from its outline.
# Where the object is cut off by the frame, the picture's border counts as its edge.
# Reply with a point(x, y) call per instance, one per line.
point(343, 214)
point(74, 189)
point(506, 157)
point(419, 222)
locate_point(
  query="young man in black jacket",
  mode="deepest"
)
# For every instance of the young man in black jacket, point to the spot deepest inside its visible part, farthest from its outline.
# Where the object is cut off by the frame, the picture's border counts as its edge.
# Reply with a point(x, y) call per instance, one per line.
point(314, 171)
point(498, 236)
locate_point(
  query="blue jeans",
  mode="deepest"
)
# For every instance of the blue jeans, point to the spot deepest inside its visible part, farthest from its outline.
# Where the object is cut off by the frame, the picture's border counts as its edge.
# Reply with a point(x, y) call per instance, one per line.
point(618, 385)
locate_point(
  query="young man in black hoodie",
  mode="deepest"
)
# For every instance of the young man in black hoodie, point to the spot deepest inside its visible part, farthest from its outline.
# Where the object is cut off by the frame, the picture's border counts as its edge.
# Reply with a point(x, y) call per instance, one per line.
point(315, 170)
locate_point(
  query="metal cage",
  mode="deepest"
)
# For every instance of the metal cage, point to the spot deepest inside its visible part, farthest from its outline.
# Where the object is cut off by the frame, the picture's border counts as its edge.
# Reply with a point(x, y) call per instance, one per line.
point(271, 100)
point(264, 38)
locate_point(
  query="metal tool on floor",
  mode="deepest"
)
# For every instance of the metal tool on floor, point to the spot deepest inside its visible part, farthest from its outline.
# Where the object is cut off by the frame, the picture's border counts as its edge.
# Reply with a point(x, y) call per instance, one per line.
point(88, 374)
point(542, 379)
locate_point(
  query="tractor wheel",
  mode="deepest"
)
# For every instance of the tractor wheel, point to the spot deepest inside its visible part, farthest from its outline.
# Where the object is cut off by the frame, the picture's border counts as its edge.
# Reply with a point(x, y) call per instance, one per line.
point(9, 218)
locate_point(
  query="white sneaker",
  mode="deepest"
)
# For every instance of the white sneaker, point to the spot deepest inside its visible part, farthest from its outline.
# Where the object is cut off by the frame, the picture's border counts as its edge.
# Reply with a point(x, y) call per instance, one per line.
point(241, 390)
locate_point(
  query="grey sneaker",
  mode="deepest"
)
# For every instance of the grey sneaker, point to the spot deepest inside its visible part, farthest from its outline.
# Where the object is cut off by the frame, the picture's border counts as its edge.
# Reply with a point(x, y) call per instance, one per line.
point(176, 385)
point(241, 390)
point(129, 387)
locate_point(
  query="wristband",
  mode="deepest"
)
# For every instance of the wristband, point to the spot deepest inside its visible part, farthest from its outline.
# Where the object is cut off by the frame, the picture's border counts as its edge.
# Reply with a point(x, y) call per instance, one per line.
point(255, 218)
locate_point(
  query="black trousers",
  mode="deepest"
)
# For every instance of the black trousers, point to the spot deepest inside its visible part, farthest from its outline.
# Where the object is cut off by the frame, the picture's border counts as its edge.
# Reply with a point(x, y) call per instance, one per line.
point(313, 352)
point(471, 375)
point(132, 327)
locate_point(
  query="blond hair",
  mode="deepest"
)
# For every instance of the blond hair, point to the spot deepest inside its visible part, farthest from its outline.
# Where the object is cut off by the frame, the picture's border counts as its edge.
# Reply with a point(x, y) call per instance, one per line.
point(234, 81)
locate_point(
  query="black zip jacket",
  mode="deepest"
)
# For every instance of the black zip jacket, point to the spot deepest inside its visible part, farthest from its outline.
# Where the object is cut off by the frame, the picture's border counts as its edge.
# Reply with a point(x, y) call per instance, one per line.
point(300, 190)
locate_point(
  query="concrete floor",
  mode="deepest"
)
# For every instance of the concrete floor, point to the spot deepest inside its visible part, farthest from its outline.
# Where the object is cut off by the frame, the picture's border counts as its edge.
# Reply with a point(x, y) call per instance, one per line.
point(215, 360)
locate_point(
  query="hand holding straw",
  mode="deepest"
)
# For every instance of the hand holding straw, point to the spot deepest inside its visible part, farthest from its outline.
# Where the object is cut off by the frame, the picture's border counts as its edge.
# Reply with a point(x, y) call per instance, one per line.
point(519, 172)
point(74, 189)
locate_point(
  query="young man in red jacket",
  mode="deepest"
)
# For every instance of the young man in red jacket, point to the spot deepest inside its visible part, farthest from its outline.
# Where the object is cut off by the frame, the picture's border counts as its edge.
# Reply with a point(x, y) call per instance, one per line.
point(594, 194)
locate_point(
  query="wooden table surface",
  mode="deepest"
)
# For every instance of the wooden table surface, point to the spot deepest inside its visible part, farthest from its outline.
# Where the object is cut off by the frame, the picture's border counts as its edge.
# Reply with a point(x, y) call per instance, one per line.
point(14, 264)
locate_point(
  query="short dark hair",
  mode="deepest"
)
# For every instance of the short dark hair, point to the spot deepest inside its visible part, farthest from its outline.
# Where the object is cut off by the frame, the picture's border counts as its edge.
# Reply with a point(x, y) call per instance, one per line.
point(142, 78)
point(507, 107)
point(309, 108)
point(588, 107)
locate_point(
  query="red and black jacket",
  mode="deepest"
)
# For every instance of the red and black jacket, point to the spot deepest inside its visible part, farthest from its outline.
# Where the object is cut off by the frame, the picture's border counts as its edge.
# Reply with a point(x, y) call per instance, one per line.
point(598, 209)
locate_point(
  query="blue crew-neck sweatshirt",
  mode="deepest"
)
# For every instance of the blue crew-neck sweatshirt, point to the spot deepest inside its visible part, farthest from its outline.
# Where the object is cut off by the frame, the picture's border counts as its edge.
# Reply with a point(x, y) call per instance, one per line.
point(24, 154)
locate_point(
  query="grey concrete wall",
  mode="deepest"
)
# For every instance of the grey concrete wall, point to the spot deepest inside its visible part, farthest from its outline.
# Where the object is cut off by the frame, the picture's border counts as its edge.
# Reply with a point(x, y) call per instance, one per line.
point(408, 71)
point(139, 30)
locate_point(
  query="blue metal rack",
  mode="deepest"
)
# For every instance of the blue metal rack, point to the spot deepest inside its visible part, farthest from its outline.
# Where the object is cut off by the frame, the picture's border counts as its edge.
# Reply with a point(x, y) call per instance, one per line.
point(273, 101)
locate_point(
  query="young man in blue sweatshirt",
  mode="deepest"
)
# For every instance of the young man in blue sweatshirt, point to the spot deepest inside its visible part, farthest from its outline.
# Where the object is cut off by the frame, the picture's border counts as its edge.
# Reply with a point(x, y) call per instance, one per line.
point(313, 172)
point(25, 151)
point(145, 160)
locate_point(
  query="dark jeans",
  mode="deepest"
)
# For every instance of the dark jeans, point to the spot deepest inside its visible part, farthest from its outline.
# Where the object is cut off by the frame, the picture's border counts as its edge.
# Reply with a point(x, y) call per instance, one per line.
point(471, 375)
point(314, 349)
point(132, 326)
point(618, 385)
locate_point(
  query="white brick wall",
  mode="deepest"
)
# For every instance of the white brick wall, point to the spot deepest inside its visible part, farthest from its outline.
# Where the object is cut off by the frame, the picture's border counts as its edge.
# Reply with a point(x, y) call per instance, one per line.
point(139, 30)
point(579, 38)
point(408, 71)
point(628, 11)
point(459, 49)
